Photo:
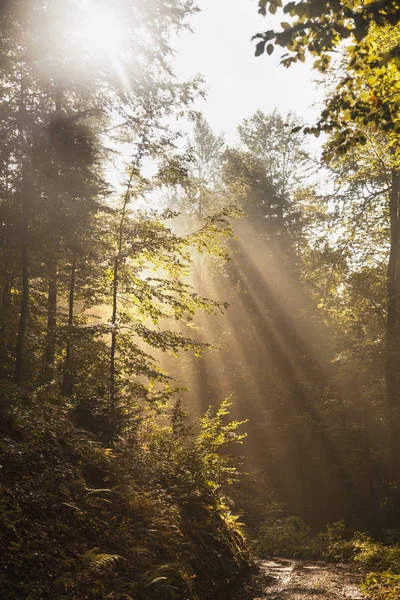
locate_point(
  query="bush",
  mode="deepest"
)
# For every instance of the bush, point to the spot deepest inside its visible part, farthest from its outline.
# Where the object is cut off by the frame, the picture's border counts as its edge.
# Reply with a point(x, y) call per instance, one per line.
point(375, 555)
point(143, 520)
point(384, 582)
point(337, 543)
point(283, 537)
point(382, 586)
point(291, 537)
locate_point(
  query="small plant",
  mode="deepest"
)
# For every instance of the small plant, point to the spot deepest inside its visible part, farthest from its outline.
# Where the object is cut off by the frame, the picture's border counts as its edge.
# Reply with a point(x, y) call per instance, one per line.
point(375, 555)
point(338, 544)
point(382, 586)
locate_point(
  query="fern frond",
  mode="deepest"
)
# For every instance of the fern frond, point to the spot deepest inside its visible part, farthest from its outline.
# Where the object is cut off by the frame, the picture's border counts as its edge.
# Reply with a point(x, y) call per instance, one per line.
point(97, 560)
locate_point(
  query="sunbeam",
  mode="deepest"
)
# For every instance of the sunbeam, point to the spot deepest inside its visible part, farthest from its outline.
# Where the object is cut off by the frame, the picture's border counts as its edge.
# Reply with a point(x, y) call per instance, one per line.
point(199, 310)
point(103, 33)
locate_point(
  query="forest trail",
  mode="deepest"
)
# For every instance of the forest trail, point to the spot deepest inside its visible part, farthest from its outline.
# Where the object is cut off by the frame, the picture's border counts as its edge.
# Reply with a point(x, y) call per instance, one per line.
point(282, 579)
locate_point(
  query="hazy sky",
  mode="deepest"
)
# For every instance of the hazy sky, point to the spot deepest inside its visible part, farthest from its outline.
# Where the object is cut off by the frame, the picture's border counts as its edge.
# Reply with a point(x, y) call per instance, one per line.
point(238, 83)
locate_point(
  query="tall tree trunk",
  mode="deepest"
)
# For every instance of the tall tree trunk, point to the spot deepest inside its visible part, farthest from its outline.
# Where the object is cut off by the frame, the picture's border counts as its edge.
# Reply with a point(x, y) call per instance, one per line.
point(111, 410)
point(5, 307)
point(301, 499)
point(24, 212)
point(19, 352)
point(50, 351)
point(393, 345)
point(67, 386)
point(112, 400)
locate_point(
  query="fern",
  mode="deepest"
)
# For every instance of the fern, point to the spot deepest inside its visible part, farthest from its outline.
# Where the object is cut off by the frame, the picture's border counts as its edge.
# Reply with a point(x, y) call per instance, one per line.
point(99, 561)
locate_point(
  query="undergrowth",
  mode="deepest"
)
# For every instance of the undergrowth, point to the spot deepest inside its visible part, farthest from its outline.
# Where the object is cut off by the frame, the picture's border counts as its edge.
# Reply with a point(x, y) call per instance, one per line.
point(140, 521)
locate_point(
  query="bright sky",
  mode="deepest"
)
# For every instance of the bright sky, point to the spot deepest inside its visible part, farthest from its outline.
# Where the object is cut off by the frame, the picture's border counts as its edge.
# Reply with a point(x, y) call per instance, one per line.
point(238, 83)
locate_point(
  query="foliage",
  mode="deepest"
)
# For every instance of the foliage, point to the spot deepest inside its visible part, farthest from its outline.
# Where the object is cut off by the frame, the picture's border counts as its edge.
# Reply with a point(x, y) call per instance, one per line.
point(319, 26)
point(376, 555)
point(101, 284)
point(382, 586)
point(143, 520)
point(366, 91)
point(283, 537)
point(291, 340)
point(360, 116)
point(204, 193)
point(383, 563)
point(338, 545)
point(292, 537)
point(105, 493)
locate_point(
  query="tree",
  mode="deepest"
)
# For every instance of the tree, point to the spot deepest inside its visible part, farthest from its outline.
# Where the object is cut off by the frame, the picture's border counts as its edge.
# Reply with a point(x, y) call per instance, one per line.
point(319, 27)
point(144, 242)
point(51, 126)
point(268, 356)
point(364, 103)
point(202, 194)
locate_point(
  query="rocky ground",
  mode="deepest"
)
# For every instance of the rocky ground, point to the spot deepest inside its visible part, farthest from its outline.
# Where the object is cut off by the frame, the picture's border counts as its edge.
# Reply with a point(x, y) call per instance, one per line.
point(281, 579)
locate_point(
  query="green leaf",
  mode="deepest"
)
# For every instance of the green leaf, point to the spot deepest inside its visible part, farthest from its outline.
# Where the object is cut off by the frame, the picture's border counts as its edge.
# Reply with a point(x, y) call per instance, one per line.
point(289, 7)
point(260, 48)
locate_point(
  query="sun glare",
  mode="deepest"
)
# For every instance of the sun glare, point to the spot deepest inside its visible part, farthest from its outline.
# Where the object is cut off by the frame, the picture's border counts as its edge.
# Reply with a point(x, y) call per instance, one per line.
point(102, 30)
point(102, 34)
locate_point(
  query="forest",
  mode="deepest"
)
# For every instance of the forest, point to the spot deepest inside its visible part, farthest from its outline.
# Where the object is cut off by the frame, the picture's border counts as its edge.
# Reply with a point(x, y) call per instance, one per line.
point(199, 338)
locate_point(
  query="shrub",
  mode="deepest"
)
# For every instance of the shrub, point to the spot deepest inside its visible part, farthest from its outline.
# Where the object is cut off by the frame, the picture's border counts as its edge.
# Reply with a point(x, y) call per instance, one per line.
point(338, 546)
point(375, 555)
point(382, 586)
point(143, 520)
point(283, 537)
point(291, 537)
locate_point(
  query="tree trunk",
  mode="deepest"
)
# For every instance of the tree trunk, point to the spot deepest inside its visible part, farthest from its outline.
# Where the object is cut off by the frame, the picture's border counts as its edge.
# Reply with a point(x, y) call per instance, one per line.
point(24, 307)
point(111, 409)
point(302, 503)
point(393, 346)
point(67, 386)
point(50, 351)
point(112, 400)
point(5, 307)
point(19, 352)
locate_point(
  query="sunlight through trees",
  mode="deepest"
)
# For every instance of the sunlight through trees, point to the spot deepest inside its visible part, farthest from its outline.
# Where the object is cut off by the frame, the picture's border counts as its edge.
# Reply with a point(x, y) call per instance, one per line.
point(199, 339)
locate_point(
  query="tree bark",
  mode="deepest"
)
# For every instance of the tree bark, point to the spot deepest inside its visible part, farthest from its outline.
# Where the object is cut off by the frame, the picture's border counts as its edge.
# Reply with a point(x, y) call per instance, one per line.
point(50, 351)
point(67, 386)
point(4, 328)
point(393, 346)
point(112, 400)
point(19, 352)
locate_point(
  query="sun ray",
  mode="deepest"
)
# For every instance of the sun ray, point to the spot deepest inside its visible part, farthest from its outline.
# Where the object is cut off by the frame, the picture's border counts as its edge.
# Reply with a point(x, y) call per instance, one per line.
point(103, 33)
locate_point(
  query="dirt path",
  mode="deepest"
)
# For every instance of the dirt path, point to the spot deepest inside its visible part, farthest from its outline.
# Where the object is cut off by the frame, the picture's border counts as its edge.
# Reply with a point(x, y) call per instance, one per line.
point(281, 579)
